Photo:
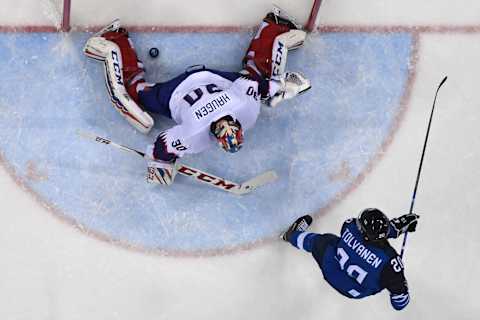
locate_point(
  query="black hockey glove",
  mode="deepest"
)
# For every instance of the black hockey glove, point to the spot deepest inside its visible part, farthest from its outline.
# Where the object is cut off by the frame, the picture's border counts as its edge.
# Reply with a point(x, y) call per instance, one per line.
point(407, 222)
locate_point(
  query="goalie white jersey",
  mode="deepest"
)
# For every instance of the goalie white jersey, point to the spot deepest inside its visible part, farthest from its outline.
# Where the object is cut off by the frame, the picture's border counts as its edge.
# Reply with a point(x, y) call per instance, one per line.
point(200, 99)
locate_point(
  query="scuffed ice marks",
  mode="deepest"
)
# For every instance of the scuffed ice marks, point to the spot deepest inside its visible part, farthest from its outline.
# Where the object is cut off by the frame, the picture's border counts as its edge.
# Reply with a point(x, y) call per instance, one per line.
point(319, 143)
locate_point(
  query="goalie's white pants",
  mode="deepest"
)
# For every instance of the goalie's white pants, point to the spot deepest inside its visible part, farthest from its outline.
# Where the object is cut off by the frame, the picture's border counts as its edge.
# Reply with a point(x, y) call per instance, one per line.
point(109, 52)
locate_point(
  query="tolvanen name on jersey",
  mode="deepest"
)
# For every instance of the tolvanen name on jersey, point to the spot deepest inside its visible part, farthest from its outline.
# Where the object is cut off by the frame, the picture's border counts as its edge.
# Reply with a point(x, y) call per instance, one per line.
point(370, 257)
point(213, 105)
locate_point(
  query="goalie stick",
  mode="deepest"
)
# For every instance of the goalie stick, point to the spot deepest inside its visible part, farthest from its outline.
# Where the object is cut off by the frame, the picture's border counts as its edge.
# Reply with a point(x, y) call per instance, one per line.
point(199, 175)
point(421, 163)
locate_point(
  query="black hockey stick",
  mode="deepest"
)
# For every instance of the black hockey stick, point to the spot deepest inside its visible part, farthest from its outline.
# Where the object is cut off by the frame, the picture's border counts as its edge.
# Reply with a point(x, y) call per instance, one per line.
point(199, 175)
point(421, 162)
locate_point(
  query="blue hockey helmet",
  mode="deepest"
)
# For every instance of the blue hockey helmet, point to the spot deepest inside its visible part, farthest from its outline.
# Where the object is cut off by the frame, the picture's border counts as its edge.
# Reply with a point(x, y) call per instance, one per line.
point(373, 224)
point(229, 133)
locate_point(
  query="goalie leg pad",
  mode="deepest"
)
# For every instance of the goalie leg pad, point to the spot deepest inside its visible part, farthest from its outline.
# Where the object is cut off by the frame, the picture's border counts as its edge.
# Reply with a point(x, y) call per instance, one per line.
point(259, 53)
point(97, 48)
point(293, 39)
point(123, 72)
point(279, 58)
point(267, 54)
point(122, 101)
point(290, 40)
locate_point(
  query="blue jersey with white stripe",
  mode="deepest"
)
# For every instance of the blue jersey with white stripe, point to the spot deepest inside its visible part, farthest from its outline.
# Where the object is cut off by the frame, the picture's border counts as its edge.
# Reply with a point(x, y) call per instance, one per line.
point(357, 268)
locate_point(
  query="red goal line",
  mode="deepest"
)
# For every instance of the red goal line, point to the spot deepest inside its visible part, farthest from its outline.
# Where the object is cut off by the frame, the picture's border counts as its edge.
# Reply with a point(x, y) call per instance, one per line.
point(309, 26)
point(66, 25)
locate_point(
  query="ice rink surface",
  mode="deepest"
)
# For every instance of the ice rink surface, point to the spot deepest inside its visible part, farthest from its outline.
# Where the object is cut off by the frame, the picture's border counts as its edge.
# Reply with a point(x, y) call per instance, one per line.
point(51, 270)
point(319, 143)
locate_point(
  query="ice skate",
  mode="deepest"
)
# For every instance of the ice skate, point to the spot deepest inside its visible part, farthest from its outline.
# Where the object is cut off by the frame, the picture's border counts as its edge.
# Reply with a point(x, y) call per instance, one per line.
point(280, 16)
point(112, 26)
point(301, 224)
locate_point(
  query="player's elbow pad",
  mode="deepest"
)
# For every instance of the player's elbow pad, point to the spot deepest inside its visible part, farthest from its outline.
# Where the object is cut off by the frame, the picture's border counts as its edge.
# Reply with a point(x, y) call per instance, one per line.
point(160, 151)
point(399, 301)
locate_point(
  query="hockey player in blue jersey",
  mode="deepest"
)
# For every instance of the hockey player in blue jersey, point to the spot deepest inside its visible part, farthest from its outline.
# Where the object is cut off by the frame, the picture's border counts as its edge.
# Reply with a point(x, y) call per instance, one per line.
point(360, 262)
point(208, 106)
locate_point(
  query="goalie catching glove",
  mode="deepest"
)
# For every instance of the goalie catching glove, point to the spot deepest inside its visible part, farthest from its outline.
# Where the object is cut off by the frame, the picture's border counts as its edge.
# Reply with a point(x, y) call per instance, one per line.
point(292, 85)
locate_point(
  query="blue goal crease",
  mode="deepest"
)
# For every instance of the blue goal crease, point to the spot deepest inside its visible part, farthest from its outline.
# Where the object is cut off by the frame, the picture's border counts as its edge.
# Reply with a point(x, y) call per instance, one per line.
point(318, 143)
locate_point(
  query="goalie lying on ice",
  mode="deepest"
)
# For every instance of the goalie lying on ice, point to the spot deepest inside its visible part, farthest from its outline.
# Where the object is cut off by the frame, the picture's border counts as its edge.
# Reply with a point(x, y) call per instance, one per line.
point(207, 105)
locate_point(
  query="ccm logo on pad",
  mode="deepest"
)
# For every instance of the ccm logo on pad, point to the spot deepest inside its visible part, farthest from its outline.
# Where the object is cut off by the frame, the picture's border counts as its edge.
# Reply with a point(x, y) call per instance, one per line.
point(116, 67)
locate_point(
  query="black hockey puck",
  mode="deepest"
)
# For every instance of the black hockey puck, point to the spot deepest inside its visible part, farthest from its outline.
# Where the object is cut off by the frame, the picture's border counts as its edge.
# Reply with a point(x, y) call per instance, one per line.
point(153, 52)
